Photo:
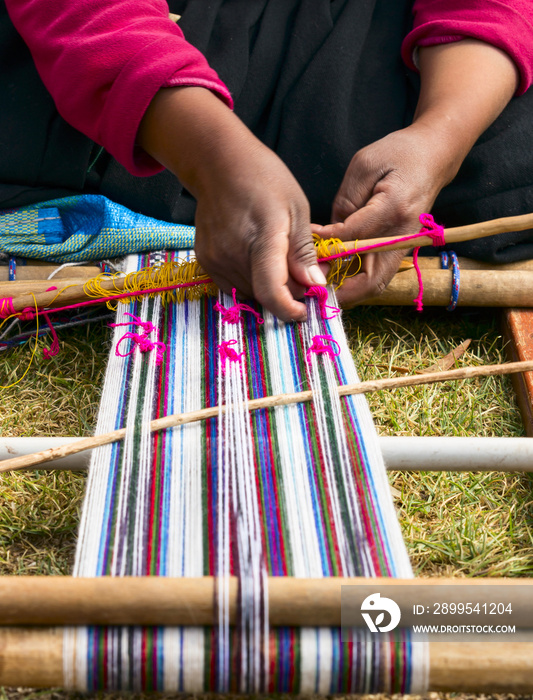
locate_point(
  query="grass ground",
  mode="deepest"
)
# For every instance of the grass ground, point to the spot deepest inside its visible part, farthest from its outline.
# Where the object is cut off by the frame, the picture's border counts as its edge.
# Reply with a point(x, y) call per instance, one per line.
point(478, 524)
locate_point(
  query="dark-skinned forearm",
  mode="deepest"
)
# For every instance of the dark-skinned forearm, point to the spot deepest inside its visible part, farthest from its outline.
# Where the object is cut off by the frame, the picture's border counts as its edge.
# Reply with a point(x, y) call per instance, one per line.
point(465, 85)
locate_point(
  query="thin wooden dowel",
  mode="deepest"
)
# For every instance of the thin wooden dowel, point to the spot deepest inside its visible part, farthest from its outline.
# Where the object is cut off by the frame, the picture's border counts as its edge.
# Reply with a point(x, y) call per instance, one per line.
point(452, 235)
point(28, 461)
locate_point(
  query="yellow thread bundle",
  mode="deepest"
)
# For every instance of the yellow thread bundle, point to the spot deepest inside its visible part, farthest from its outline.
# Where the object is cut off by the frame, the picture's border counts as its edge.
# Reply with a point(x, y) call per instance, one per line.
point(340, 268)
point(156, 278)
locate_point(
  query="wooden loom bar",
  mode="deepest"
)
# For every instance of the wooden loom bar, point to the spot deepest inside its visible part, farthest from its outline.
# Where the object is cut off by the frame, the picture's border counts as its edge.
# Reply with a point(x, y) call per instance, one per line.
point(35, 271)
point(28, 287)
point(27, 461)
point(510, 287)
point(154, 600)
point(70, 294)
point(34, 657)
point(434, 263)
point(499, 288)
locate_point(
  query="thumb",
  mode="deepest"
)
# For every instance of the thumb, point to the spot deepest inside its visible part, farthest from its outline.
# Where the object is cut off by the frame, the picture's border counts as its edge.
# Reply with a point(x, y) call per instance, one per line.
point(302, 262)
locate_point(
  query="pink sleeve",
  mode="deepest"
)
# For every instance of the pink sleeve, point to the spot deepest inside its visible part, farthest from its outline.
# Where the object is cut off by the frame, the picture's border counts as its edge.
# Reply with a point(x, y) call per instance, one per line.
point(103, 61)
point(505, 24)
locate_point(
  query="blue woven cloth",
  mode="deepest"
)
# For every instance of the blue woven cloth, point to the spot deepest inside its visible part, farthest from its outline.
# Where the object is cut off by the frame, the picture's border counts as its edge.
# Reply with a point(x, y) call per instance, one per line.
point(86, 227)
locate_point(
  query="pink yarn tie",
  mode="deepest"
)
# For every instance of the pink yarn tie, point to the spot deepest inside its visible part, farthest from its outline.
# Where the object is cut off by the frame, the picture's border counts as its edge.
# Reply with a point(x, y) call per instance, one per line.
point(320, 348)
point(6, 307)
point(54, 348)
point(227, 353)
point(418, 301)
point(147, 326)
point(144, 344)
point(233, 314)
point(432, 229)
point(143, 341)
point(436, 233)
point(321, 294)
point(28, 314)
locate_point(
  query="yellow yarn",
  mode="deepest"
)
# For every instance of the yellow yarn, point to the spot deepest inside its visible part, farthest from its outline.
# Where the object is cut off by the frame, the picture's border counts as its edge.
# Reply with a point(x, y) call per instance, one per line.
point(171, 273)
point(165, 275)
point(340, 268)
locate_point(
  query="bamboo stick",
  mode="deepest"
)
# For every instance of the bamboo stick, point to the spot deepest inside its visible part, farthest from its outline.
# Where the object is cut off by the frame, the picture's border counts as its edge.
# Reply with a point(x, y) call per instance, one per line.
point(499, 288)
point(405, 453)
point(28, 461)
point(293, 602)
point(34, 658)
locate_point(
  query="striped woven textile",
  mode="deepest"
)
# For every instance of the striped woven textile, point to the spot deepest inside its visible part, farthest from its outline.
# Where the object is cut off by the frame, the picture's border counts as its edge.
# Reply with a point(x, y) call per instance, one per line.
point(85, 227)
point(297, 490)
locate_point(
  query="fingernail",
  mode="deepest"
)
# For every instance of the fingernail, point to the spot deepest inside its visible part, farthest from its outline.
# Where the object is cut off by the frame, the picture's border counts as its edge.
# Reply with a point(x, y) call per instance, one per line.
point(317, 276)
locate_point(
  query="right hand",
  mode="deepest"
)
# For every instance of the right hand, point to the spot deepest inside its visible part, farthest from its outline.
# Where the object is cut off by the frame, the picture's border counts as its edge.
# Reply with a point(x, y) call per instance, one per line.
point(253, 228)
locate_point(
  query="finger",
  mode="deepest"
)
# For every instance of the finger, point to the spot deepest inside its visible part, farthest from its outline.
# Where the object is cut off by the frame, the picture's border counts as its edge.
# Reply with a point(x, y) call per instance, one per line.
point(270, 275)
point(302, 263)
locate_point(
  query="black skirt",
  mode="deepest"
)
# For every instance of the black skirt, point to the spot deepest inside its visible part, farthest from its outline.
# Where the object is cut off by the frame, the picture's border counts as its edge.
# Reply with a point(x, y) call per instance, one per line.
point(316, 80)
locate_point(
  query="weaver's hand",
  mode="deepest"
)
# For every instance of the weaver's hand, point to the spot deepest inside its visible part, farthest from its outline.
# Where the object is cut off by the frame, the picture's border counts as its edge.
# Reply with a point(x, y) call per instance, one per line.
point(253, 230)
point(464, 87)
point(386, 187)
point(252, 221)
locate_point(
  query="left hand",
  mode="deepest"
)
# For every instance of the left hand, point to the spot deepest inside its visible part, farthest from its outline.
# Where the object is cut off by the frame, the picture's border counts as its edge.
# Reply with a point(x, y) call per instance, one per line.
point(387, 186)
